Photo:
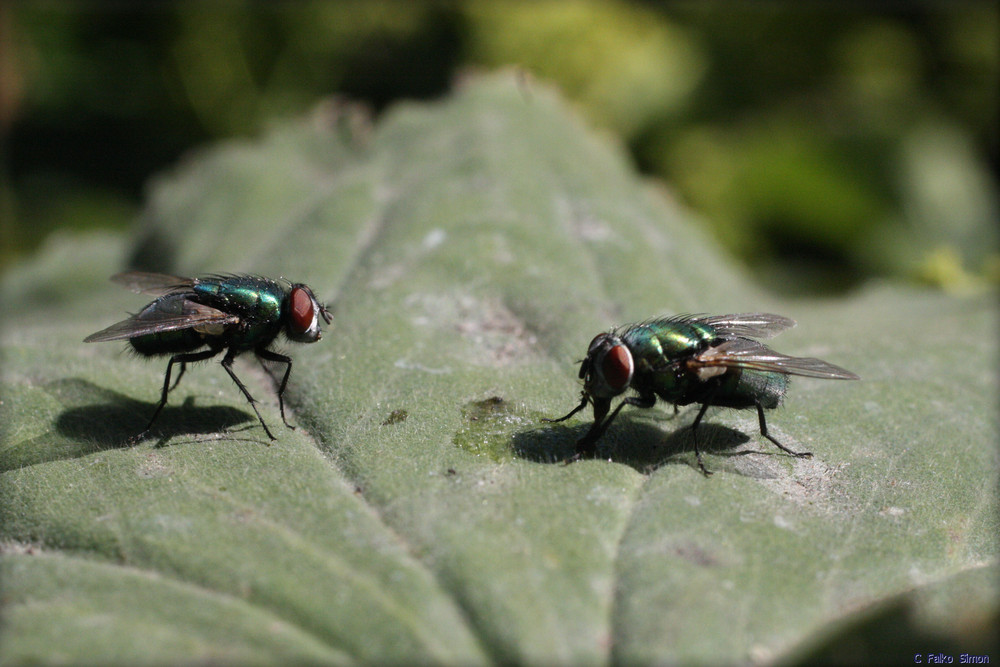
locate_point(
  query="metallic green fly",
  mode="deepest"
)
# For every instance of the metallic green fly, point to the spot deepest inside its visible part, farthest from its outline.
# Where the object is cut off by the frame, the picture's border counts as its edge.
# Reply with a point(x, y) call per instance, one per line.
point(711, 360)
point(197, 318)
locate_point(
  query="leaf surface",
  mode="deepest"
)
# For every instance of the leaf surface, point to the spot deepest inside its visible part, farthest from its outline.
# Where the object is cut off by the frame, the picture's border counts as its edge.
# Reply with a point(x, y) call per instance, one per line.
point(469, 249)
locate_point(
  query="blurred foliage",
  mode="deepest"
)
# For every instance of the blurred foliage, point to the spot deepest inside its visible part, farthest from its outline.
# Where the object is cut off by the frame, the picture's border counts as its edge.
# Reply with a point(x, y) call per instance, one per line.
point(824, 144)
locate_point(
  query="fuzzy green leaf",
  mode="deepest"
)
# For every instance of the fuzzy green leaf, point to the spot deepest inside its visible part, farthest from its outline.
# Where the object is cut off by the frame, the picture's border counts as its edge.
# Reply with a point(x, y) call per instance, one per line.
point(469, 250)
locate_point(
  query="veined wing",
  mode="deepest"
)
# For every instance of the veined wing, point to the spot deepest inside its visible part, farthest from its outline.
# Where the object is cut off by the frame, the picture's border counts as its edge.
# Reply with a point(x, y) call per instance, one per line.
point(155, 284)
point(744, 353)
point(183, 315)
point(750, 325)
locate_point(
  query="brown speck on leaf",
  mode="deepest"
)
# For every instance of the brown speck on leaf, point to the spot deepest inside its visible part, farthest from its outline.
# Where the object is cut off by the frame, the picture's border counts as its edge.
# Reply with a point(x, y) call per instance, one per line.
point(396, 417)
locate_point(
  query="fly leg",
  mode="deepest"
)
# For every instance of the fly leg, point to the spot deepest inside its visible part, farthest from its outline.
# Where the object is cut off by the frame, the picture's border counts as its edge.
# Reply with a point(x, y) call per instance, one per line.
point(181, 359)
point(587, 445)
point(763, 432)
point(603, 408)
point(227, 363)
point(177, 380)
point(694, 435)
point(583, 404)
point(263, 353)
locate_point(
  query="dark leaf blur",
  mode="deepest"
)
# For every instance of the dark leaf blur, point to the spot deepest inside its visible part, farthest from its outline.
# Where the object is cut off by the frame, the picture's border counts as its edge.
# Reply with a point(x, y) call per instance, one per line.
point(822, 143)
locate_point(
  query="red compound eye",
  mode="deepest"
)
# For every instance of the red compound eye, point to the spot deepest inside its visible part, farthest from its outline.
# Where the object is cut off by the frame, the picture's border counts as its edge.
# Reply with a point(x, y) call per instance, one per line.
point(617, 367)
point(303, 314)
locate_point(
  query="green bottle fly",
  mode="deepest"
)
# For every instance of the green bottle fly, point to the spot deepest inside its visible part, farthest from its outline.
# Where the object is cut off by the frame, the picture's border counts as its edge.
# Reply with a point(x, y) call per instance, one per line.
point(711, 360)
point(197, 318)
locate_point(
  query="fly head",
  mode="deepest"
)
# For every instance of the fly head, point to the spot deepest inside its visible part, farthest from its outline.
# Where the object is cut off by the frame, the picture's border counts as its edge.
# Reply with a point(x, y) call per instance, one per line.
point(607, 371)
point(304, 311)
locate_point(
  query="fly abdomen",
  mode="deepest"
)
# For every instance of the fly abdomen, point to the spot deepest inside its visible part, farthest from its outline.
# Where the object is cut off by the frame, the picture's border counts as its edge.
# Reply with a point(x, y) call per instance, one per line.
point(167, 342)
point(750, 387)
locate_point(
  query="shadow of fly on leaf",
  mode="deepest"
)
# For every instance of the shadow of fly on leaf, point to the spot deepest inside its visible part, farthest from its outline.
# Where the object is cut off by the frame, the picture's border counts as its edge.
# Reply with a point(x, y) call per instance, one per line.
point(116, 421)
point(89, 418)
point(685, 359)
point(638, 442)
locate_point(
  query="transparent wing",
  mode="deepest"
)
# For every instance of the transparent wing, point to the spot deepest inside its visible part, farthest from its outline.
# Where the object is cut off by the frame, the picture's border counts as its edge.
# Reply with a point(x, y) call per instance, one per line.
point(745, 353)
point(751, 325)
point(155, 284)
point(184, 314)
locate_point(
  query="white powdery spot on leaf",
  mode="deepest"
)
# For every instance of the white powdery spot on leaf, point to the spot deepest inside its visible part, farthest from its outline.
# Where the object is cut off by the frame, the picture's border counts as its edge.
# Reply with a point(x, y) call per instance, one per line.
point(497, 335)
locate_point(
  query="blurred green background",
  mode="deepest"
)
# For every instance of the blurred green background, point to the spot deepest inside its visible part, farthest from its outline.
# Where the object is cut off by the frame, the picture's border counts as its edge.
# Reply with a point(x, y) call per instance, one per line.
point(823, 144)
